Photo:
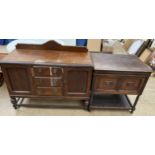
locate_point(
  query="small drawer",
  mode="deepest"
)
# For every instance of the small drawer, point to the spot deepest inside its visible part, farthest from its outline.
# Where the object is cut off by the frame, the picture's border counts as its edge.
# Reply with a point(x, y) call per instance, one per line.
point(57, 71)
point(47, 71)
point(41, 71)
point(118, 84)
point(48, 82)
point(54, 91)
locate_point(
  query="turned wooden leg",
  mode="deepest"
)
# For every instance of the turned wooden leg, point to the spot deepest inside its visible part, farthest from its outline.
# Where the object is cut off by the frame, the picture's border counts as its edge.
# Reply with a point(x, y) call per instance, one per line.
point(133, 108)
point(88, 108)
point(90, 102)
point(14, 102)
point(1, 79)
point(86, 102)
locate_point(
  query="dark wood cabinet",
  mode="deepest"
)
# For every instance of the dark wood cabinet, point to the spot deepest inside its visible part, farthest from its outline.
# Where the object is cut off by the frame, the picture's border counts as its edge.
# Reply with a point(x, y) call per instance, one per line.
point(49, 71)
point(115, 77)
point(48, 81)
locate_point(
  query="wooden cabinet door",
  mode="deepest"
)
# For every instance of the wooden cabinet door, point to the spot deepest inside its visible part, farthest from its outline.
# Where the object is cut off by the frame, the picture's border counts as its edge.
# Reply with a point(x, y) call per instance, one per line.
point(77, 81)
point(18, 79)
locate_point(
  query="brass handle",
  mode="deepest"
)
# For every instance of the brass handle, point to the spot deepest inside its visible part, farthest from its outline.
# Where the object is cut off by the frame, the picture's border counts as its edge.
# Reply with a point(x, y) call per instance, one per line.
point(32, 71)
point(54, 80)
point(62, 70)
point(55, 69)
point(130, 83)
point(51, 71)
point(110, 83)
point(52, 84)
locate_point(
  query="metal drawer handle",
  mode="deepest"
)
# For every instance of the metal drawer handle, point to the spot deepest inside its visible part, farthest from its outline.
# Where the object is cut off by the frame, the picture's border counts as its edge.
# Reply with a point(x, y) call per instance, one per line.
point(110, 83)
point(51, 71)
point(130, 83)
point(32, 71)
point(54, 70)
point(52, 82)
point(62, 70)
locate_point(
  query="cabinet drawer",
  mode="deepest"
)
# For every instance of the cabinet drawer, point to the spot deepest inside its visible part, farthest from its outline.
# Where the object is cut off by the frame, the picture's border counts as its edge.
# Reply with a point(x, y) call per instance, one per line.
point(118, 84)
point(47, 71)
point(54, 91)
point(57, 71)
point(41, 71)
point(48, 82)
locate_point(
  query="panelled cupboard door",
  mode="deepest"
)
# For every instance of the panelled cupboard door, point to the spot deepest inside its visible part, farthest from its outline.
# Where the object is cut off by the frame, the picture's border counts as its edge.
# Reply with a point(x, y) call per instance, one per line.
point(18, 79)
point(77, 81)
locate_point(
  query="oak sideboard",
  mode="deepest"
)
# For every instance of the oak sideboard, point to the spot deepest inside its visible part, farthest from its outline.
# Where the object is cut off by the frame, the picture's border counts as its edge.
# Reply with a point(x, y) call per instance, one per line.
point(48, 71)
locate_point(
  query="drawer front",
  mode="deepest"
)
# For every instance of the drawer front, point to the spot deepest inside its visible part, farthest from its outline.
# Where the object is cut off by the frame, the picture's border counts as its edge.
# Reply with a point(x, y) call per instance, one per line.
point(131, 84)
point(57, 71)
point(54, 91)
point(48, 82)
point(118, 84)
point(41, 71)
point(104, 83)
point(47, 71)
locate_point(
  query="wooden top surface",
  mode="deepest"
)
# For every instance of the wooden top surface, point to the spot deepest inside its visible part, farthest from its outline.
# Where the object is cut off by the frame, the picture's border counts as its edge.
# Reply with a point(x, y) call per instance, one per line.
point(22, 56)
point(49, 53)
point(118, 62)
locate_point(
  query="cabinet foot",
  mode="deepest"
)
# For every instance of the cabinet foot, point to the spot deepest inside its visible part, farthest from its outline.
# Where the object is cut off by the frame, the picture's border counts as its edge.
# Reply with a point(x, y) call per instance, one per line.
point(1, 79)
point(86, 103)
point(132, 110)
point(14, 102)
point(89, 108)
